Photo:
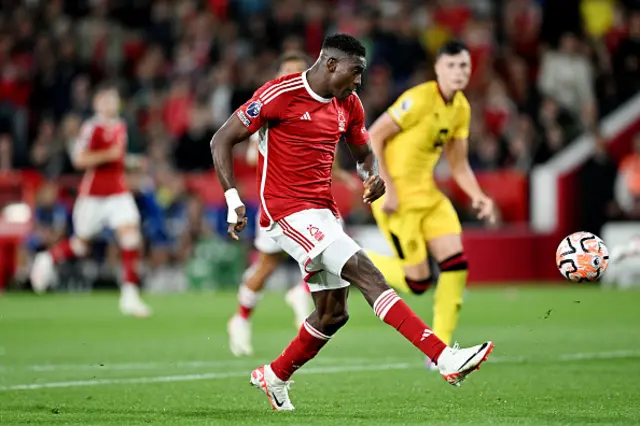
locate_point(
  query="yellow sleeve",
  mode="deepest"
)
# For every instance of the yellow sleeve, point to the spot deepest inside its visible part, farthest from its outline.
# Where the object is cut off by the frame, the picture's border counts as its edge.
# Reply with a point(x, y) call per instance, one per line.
point(464, 121)
point(406, 110)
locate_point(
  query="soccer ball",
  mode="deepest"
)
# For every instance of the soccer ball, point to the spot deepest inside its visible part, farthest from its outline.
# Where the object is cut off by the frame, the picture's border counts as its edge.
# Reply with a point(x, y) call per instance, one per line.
point(582, 256)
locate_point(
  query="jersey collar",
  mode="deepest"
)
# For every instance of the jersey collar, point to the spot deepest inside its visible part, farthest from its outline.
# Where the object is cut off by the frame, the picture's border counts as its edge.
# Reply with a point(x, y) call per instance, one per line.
point(444, 99)
point(313, 94)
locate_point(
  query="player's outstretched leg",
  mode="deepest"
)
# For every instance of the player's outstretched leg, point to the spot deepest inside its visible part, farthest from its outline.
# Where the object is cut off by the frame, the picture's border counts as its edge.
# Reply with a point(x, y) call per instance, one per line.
point(391, 268)
point(130, 301)
point(454, 363)
point(44, 261)
point(330, 315)
point(249, 294)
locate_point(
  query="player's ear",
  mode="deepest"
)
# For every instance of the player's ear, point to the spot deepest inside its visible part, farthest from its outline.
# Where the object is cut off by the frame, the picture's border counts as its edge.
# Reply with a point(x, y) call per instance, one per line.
point(437, 67)
point(332, 64)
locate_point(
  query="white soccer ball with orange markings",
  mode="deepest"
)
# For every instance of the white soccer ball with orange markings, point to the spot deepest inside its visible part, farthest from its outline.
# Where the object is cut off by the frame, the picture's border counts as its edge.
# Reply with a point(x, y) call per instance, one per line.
point(582, 256)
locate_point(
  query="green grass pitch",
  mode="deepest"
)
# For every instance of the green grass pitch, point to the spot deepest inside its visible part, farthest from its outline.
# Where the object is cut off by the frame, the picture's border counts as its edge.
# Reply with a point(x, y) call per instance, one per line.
point(564, 355)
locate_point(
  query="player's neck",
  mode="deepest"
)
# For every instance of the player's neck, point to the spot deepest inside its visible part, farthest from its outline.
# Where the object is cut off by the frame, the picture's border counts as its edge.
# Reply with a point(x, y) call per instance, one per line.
point(315, 80)
point(105, 119)
point(447, 95)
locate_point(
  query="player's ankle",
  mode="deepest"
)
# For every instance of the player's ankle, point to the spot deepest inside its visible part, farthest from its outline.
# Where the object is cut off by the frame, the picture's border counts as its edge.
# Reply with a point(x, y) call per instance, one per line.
point(248, 297)
point(244, 312)
point(443, 356)
point(130, 286)
point(276, 378)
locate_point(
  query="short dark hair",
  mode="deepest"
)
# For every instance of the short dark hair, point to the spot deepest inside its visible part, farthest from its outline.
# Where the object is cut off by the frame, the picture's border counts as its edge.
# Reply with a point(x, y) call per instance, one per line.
point(104, 86)
point(345, 43)
point(293, 55)
point(452, 47)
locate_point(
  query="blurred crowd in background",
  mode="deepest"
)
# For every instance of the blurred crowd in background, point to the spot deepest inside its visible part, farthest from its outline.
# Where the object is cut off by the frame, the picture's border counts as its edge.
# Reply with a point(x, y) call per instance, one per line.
point(544, 71)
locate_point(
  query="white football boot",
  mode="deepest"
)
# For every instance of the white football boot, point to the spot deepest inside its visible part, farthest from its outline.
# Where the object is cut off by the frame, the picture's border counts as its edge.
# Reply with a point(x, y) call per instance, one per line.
point(41, 272)
point(239, 330)
point(456, 364)
point(300, 301)
point(277, 390)
point(131, 303)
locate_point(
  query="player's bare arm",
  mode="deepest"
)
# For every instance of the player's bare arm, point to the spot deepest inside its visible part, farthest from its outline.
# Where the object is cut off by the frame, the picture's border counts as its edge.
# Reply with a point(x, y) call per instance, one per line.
point(86, 159)
point(382, 130)
point(456, 152)
point(231, 133)
point(367, 167)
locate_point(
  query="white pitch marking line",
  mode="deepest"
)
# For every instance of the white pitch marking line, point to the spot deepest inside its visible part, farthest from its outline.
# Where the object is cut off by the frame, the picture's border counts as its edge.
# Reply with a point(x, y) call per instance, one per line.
point(578, 356)
point(599, 355)
point(192, 377)
point(160, 365)
point(581, 356)
point(134, 365)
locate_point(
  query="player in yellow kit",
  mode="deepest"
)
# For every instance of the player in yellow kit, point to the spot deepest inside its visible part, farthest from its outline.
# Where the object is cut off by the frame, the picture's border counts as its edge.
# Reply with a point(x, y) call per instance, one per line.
point(414, 215)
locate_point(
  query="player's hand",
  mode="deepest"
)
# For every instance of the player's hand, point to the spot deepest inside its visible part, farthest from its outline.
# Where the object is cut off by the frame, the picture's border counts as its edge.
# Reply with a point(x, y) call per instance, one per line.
point(374, 188)
point(114, 152)
point(235, 228)
point(485, 209)
point(390, 203)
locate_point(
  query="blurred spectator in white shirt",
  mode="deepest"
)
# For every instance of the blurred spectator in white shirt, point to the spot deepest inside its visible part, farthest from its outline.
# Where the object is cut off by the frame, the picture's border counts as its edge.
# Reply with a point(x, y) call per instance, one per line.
point(566, 75)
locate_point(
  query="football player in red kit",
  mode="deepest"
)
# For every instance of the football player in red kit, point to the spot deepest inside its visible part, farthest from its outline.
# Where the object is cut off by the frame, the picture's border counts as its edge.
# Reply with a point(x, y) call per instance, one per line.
point(306, 114)
point(103, 201)
point(270, 253)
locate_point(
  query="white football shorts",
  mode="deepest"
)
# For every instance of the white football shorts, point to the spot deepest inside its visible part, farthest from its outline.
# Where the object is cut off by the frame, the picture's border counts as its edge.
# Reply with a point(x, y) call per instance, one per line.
point(315, 238)
point(92, 214)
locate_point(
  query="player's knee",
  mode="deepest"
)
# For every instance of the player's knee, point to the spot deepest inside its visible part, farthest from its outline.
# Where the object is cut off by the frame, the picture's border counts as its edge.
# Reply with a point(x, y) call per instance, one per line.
point(418, 286)
point(332, 322)
point(129, 240)
point(79, 246)
point(457, 262)
point(270, 261)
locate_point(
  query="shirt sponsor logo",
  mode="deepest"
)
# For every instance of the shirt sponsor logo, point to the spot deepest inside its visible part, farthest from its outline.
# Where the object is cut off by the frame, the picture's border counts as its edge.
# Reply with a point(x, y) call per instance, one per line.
point(342, 122)
point(243, 117)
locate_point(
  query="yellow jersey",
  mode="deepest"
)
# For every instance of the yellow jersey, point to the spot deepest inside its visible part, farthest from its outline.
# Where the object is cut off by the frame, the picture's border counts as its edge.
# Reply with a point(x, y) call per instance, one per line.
point(427, 123)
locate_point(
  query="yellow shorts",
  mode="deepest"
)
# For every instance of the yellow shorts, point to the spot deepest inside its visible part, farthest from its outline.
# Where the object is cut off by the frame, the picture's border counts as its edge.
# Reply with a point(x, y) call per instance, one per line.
point(408, 232)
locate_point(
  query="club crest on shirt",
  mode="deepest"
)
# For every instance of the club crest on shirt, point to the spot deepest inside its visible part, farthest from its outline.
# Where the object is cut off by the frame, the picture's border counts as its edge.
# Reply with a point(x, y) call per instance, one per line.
point(253, 110)
point(342, 122)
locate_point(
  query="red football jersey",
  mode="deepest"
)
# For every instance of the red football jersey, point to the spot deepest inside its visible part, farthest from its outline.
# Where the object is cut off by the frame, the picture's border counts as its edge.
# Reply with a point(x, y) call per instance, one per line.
point(299, 131)
point(105, 179)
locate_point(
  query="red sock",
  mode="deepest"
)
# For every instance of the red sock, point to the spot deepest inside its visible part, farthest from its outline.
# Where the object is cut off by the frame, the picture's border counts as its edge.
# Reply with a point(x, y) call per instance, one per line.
point(62, 251)
point(247, 301)
point(130, 260)
point(392, 310)
point(245, 311)
point(302, 348)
